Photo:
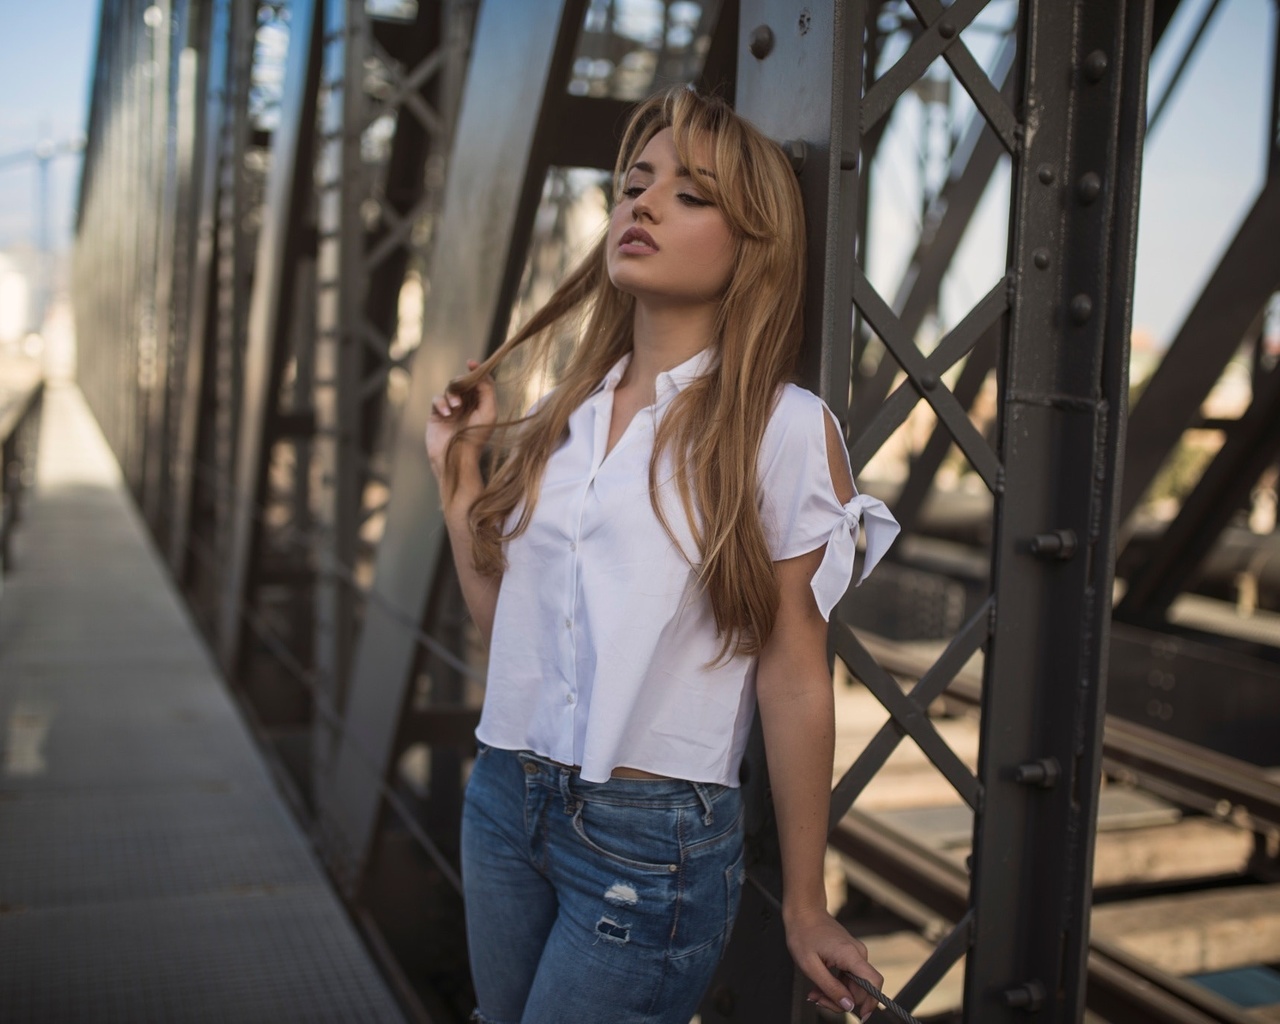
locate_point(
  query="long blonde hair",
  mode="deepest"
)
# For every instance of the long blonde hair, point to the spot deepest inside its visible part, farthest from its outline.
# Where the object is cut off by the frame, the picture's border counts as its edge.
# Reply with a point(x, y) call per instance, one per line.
point(714, 426)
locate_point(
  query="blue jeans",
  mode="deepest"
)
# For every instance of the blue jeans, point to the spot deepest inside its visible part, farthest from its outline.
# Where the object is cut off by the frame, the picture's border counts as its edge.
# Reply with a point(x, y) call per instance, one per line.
point(595, 902)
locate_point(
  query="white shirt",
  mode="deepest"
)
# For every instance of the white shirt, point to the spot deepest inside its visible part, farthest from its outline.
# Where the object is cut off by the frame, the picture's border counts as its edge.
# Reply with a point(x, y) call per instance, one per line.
point(603, 649)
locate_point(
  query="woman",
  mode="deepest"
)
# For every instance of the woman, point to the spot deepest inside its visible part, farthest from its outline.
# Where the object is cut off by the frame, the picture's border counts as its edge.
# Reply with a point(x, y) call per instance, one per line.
point(656, 551)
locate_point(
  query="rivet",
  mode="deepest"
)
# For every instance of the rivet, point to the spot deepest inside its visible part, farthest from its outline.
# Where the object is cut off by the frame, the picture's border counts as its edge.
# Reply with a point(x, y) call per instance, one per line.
point(1045, 174)
point(1081, 308)
point(1089, 187)
point(947, 29)
point(761, 42)
point(1041, 258)
point(1095, 66)
point(928, 381)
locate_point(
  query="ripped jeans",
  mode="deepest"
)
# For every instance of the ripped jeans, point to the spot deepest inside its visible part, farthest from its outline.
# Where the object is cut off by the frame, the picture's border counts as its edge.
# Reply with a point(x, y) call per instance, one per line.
point(590, 902)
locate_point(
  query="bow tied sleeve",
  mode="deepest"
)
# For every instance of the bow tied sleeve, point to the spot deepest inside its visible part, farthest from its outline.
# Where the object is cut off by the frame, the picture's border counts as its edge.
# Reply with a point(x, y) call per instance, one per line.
point(832, 578)
point(799, 508)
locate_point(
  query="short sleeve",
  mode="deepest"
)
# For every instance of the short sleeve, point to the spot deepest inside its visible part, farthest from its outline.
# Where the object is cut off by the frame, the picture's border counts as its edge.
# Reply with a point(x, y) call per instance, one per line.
point(798, 505)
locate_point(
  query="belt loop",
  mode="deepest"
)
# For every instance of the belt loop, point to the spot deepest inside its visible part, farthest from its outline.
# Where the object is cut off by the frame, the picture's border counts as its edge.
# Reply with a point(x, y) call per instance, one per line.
point(705, 797)
point(566, 791)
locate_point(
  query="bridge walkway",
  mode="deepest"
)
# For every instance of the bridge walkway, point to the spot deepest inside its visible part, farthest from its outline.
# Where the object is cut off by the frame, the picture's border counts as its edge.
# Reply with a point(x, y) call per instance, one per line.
point(149, 869)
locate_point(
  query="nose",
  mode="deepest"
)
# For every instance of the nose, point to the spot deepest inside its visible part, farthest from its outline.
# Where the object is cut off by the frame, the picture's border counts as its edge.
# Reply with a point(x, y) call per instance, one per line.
point(644, 207)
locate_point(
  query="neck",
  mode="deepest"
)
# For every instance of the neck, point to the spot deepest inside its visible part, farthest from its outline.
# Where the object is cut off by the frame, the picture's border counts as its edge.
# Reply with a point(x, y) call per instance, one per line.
point(665, 337)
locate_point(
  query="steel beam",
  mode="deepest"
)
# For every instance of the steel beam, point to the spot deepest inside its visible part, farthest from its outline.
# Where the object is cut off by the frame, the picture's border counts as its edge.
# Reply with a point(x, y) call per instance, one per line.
point(517, 76)
point(280, 243)
point(164, 154)
point(341, 282)
point(1252, 444)
point(205, 187)
point(798, 81)
point(803, 92)
point(231, 300)
point(1063, 387)
point(1231, 302)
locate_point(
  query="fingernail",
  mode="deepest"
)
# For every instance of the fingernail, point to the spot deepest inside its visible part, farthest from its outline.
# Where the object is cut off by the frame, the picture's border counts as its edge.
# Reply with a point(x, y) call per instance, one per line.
point(846, 1004)
point(867, 1016)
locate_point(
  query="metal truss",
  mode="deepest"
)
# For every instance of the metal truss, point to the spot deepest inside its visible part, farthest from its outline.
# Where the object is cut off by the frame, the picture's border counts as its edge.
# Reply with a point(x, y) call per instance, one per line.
point(1178, 676)
point(251, 223)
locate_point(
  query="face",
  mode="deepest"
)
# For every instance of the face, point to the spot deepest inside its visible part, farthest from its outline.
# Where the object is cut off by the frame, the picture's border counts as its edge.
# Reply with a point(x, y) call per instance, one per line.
point(668, 243)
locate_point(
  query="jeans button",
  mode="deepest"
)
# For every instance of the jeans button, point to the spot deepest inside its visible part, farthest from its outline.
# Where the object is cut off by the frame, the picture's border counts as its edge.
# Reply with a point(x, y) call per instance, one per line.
point(530, 768)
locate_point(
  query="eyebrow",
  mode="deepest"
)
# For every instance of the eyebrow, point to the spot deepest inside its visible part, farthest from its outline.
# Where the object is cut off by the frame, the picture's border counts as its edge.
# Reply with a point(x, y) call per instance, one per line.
point(681, 172)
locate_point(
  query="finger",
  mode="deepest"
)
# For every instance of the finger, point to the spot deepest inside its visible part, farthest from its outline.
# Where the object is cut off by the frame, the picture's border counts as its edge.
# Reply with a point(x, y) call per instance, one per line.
point(819, 999)
point(848, 997)
point(440, 407)
point(472, 364)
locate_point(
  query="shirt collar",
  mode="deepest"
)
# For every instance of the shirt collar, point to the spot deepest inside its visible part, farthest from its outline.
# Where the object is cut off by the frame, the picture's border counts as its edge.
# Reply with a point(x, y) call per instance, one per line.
point(677, 378)
point(669, 382)
point(614, 377)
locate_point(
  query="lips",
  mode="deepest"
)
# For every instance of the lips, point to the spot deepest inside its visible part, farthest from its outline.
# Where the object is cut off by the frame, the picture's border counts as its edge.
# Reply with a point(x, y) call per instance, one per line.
point(637, 240)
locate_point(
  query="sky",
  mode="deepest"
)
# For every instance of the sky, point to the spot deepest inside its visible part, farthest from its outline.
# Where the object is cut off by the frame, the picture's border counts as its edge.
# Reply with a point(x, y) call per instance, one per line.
point(1204, 161)
point(46, 55)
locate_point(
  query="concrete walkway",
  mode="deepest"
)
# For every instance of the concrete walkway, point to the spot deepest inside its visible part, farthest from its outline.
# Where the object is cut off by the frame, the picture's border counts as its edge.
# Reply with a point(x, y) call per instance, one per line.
point(149, 871)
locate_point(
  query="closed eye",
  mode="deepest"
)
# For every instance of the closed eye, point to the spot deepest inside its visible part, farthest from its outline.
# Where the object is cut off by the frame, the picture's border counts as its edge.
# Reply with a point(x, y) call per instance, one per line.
point(691, 200)
point(632, 191)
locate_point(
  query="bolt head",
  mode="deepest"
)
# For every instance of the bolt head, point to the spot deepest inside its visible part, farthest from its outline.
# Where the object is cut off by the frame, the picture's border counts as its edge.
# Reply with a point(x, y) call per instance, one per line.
point(1045, 173)
point(1041, 258)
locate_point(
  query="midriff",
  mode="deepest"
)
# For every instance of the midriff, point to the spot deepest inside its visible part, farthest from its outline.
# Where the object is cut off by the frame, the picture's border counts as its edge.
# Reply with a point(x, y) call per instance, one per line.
point(623, 772)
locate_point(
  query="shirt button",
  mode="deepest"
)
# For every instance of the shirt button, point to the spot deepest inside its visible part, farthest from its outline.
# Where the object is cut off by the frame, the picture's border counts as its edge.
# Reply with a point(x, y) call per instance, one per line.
point(568, 623)
point(568, 698)
point(573, 545)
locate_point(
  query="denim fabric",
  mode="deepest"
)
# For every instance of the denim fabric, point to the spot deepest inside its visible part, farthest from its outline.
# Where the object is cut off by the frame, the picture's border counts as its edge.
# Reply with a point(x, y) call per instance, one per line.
point(595, 902)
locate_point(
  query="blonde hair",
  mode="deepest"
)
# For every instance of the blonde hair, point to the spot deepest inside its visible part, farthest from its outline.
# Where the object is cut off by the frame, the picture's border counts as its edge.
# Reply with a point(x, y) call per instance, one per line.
point(714, 426)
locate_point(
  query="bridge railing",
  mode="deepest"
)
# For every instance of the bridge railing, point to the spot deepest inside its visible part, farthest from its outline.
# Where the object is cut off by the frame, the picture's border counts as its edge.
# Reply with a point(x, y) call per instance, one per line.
point(20, 405)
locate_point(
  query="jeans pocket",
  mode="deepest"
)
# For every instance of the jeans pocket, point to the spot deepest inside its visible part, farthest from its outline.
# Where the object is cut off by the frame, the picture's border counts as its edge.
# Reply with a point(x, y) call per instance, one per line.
point(641, 838)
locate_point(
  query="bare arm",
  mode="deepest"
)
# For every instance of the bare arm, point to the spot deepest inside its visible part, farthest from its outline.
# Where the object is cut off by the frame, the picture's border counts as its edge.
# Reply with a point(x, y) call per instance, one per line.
point(458, 494)
point(797, 713)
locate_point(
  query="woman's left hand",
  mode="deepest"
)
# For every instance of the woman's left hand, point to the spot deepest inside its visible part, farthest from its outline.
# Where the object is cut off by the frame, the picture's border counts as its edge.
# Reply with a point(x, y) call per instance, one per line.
point(824, 950)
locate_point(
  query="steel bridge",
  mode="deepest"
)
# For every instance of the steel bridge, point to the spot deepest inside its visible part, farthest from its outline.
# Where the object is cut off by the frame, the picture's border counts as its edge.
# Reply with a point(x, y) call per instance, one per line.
point(297, 220)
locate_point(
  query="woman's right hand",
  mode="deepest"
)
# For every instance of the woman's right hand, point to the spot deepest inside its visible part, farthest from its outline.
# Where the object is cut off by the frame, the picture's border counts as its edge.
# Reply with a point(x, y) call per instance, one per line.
point(449, 416)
